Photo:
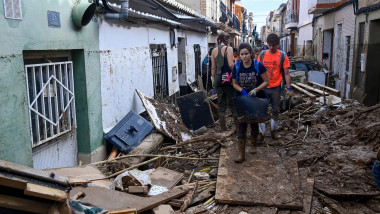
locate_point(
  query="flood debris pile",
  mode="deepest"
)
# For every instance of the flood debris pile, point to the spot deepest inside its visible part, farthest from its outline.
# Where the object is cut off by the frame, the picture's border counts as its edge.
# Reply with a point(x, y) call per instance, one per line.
point(320, 164)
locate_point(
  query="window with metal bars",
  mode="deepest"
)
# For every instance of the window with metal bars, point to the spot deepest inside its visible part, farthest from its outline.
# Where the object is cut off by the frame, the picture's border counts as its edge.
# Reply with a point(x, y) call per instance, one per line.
point(197, 57)
point(160, 71)
point(51, 100)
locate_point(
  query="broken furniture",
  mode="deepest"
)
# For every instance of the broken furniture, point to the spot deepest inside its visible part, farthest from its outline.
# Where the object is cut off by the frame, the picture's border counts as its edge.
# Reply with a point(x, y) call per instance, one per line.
point(32, 190)
point(165, 119)
point(193, 107)
point(129, 132)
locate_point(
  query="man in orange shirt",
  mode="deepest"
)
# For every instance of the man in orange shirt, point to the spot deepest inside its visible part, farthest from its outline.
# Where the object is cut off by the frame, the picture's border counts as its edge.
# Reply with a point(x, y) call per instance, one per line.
point(277, 65)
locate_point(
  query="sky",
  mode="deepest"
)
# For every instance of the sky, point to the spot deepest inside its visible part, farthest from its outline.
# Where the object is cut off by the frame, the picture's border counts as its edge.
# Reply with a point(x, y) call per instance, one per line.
point(260, 9)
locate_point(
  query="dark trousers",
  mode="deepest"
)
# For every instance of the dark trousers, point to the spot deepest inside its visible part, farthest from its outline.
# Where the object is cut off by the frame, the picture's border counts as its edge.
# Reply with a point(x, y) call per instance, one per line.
point(225, 95)
point(243, 130)
point(273, 95)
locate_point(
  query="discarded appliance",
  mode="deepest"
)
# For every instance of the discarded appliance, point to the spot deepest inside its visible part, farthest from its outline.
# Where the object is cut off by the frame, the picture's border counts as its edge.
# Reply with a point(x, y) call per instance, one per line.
point(193, 107)
point(129, 132)
point(251, 109)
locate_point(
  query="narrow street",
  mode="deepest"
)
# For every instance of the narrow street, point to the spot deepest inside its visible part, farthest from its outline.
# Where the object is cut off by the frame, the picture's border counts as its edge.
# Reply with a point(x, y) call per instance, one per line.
point(190, 107)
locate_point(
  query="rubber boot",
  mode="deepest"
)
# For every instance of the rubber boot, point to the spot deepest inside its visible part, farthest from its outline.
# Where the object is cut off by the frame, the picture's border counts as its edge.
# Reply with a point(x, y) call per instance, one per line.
point(241, 148)
point(236, 122)
point(274, 135)
point(223, 126)
point(260, 137)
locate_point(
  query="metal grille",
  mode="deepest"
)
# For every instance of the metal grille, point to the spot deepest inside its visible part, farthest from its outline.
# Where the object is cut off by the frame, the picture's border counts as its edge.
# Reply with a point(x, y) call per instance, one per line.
point(197, 56)
point(51, 100)
point(12, 9)
point(160, 71)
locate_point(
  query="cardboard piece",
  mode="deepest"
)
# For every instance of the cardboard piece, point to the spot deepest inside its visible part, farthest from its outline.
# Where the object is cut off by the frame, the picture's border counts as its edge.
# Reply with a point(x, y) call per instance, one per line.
point(261, 180)
point(86, 172)
point(165, 177)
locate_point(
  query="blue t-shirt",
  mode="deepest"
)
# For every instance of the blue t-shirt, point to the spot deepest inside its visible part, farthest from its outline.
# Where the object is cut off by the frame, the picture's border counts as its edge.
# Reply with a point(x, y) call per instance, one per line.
point(249, 78)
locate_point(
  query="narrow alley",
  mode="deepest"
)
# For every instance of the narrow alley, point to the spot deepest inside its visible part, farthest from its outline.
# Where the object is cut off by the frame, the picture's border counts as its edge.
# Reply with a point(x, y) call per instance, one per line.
point(201, 106)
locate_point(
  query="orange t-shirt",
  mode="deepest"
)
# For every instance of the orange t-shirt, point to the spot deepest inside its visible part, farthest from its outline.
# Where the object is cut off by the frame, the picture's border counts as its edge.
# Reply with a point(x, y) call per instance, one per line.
point(272, 64)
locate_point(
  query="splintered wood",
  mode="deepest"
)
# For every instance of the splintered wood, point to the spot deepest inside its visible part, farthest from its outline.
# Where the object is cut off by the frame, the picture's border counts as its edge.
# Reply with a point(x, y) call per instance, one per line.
point(261, 180)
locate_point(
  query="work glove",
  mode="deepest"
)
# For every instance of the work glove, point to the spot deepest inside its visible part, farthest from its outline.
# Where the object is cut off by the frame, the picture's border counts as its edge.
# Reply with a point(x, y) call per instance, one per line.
point(244, 92)
point(253, 92)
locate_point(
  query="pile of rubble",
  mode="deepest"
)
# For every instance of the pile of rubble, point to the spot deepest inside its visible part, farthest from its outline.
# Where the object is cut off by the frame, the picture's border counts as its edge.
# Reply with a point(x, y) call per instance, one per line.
point(321, 164)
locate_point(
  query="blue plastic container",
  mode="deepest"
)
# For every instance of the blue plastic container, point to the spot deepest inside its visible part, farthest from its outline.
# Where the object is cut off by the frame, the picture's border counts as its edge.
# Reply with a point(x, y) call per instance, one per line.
point(251, 109)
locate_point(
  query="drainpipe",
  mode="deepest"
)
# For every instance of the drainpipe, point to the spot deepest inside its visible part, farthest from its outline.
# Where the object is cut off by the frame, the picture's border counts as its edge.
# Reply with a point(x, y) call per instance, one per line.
point(123, 15)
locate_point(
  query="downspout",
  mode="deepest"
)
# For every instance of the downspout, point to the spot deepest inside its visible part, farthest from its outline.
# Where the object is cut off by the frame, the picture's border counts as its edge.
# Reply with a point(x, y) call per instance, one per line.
point(123, 15)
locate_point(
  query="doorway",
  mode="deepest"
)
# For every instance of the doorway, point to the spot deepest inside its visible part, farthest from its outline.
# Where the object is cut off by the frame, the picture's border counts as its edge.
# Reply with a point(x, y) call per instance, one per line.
point(372, 79)
point(183, 88)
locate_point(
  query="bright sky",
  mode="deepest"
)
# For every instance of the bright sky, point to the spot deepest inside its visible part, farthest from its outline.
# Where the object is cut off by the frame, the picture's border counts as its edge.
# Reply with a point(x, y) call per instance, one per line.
point(260, 9)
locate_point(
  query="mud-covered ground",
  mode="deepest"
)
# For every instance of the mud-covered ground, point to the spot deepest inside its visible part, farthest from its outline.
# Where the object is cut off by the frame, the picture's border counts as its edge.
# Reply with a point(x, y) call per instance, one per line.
point(336, 146)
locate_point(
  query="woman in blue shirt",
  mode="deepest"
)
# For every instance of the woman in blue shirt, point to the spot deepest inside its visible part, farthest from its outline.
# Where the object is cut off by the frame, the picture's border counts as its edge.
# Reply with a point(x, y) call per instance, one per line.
point(249, 78)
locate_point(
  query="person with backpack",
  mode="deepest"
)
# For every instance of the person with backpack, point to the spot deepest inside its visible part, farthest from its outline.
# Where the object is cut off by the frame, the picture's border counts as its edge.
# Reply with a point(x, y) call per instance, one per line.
point(277, 64)
point(249, 78)
point(221, 73)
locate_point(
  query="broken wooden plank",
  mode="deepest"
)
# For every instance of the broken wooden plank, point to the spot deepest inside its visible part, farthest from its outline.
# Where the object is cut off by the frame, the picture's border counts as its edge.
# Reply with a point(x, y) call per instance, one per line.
point(208, 137)
point(120, 200)
point(267, 182)
point(307, 186)
point(165, 119)
point(312, 89)
point(22, 204)
point(81, 174)
point(250, 209)
point(32, 173)
point(148, 145)
point(163, 209)
point(128, 211)
point(332, 90)
point(303, 91)
point(194, 106)
point(334, 205)
point(165, 177)
point(45, 192)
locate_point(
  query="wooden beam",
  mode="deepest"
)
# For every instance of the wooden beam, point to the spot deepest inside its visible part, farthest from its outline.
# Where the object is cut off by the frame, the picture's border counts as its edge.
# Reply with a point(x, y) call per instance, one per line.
point(332, 90)
point(312, 89)
point(33, 173)
point(45, 192)
point(128, 211)
point(23, 204)
point(12, 182)
point(303, 91)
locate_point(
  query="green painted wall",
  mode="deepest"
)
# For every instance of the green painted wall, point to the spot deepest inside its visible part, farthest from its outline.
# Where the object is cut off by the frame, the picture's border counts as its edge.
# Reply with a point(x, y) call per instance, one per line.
point(33, 33)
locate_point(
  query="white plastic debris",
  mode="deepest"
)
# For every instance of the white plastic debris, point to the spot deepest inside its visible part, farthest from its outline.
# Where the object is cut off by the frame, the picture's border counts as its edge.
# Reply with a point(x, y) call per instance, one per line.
point(201, 175)
point(156, 190)
point(142, 176)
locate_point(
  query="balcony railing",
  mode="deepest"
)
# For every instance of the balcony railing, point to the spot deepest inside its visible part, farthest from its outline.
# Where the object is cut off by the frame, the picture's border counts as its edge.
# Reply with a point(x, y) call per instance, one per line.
point(320, 6)
point(291, 16)
point(236, 23)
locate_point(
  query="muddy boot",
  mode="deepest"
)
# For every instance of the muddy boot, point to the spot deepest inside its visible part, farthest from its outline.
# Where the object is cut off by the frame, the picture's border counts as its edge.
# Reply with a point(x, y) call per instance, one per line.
point(236, 123)
point(223, 126)
point(253, 144)
point(260, 137)
point(241, 148)
point(274, 135)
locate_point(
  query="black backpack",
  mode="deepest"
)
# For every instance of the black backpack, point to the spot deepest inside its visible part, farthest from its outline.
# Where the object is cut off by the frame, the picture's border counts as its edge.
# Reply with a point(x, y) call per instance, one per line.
point(224, 77)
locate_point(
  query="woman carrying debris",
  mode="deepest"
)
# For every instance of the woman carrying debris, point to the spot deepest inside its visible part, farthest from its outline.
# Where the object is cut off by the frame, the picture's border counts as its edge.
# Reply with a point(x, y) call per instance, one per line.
point(249, 77)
